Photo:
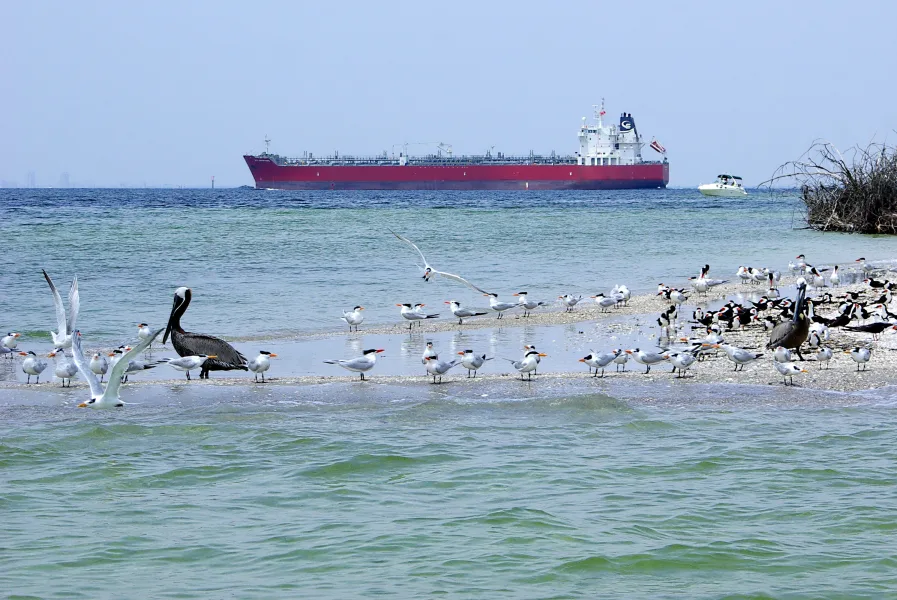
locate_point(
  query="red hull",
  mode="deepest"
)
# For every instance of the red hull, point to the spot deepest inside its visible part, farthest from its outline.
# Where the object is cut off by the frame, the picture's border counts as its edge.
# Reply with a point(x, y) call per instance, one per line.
point(268, 174)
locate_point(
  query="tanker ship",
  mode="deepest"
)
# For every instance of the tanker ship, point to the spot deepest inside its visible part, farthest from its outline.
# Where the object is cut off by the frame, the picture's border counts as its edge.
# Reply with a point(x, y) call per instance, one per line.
point(609, 158)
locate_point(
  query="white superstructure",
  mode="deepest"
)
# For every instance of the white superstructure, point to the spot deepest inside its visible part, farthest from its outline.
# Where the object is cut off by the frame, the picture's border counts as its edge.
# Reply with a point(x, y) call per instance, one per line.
point(601, 144)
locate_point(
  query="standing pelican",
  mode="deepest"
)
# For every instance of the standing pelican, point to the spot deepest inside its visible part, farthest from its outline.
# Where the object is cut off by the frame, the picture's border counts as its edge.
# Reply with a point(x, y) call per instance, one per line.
point(106, 397)
point(791, 334)
point(65, 322)
point(200, 344)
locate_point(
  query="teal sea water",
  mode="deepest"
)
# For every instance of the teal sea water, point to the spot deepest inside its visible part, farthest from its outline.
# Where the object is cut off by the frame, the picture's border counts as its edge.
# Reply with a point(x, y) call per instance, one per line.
point(340, 491)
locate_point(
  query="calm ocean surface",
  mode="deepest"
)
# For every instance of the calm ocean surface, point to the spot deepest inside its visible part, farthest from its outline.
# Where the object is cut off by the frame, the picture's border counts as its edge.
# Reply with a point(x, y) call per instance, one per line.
point(341, 491)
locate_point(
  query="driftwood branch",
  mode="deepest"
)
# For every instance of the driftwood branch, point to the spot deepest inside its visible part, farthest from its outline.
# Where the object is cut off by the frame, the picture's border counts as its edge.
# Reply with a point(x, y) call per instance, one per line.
point(853, 193)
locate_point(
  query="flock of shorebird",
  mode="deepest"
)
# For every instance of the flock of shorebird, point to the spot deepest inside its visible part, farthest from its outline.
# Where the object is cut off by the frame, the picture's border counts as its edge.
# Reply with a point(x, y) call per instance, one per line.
point(790, 324)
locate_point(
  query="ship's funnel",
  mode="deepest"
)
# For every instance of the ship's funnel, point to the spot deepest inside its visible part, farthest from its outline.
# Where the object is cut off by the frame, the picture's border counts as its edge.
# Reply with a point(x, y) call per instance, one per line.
point(627, 123)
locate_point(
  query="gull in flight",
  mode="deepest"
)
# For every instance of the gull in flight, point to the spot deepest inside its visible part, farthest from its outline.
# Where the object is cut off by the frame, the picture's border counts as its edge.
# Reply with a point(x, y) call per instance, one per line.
point(64, 321)
point(106, 397)
point(430, 271)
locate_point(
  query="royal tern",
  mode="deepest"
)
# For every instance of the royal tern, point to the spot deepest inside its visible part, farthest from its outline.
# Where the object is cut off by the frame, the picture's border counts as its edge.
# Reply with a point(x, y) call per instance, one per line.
point(136, 365)
point(621, 359)
point(107, 397)
point(429, 353)
point(473, 362)
point(788, 371)
point(860, 355)
point(353, 317)
point(781, 354)
point(361, 365)
point(528, 364)
point(791, 334)
point(499, 307)
point(144, 332)
point(678, 297)
point(64, 321)
point(412, 315)
point(740, 356)
point(816, 278)
point(622, 292)
point(261, 363)
point(429, 271)
point(569, 301)
point(681, 361)
point(65, 368)
point(99, 365)
point(185, 364)
point(646, 358)
point(116, 355)
point(199, 344)
point(34, 365)
point(438, 368)
point(600, 361)
point(10, 341)
point(835, 278)
point(824, 355)
point(462, 313)
point(863, 265)
point(527, 304)
point(604, 302)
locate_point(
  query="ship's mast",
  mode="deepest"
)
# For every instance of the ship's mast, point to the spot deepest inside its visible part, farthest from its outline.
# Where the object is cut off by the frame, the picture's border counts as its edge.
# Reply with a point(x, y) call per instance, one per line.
point(599, 113)
point(267, 141)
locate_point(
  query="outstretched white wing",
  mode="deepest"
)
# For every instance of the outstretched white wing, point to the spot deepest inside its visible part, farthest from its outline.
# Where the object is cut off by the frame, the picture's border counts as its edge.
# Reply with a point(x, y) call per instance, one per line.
point(452, 276)
point(410, 243)
point(74, 307)
point(460, 279)
point(60, 310)
point(96, 388)
point(118, 371)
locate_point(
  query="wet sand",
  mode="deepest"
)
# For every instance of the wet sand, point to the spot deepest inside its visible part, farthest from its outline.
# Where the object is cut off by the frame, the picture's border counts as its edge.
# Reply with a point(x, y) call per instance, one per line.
point(564, 336)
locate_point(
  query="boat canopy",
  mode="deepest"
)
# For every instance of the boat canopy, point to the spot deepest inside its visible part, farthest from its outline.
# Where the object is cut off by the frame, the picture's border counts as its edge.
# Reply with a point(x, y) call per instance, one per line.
point(724, 176)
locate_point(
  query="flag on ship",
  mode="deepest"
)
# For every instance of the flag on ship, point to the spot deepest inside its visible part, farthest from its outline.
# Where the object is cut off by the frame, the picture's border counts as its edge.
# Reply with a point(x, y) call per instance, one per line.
point(655, 145)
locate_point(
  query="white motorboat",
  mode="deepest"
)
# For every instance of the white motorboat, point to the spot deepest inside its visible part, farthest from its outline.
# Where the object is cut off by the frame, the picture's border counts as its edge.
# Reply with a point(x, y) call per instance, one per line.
point(728, 186)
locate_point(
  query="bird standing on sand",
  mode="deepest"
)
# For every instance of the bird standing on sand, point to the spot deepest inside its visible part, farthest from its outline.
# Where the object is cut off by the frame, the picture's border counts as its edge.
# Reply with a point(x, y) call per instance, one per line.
point(99, 365)
point(34, 365)
point(65, 369)
point(528, 364)
point(360, 365)
point(261, 363)
point(739, 356)
point(462, 313)
point(144, 332)
point(791, 334)
point(600, 361)
point(499, 307)
point(415, 316)
point(438, 368)
point(472, 362)
point(190, 363)
point(569, 301)
point(527, 304)
point(222, 356)
point(860, 355)
point(353, 317)
point(646, 358)
point(788, 371)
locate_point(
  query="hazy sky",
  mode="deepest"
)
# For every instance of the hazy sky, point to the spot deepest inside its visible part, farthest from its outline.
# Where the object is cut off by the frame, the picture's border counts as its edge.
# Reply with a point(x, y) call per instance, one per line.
point(174, 92)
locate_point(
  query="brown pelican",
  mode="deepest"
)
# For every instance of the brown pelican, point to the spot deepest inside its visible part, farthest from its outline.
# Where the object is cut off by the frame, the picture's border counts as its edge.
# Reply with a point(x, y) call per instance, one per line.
point(791, 334)
point(198, 344)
